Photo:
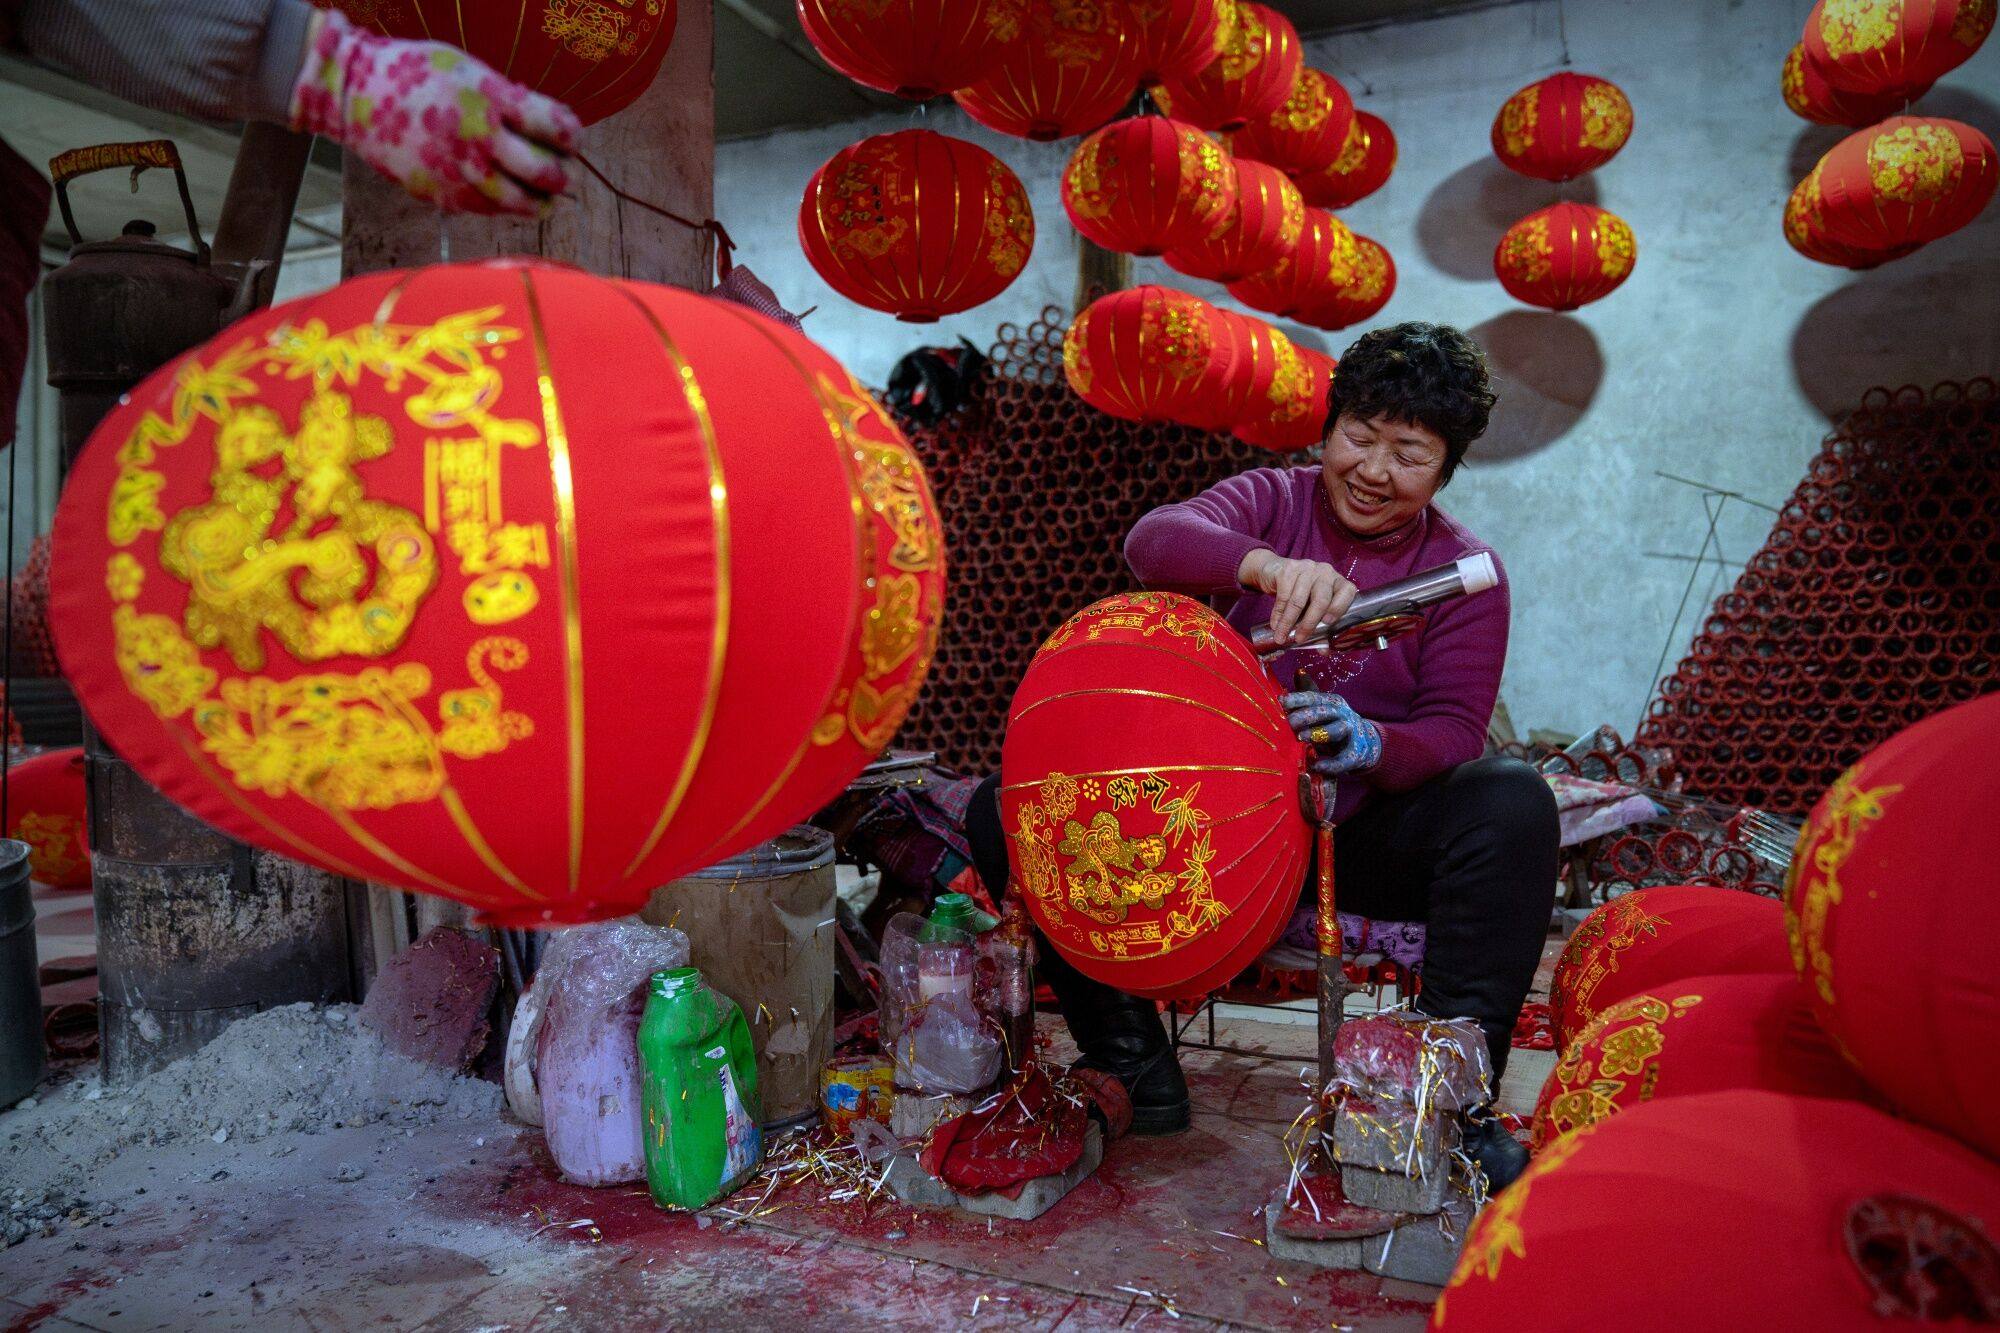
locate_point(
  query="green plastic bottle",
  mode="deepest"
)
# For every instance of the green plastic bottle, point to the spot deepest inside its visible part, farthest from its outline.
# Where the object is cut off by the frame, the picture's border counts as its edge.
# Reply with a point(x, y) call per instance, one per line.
point(955, 912)
point(699, 1092)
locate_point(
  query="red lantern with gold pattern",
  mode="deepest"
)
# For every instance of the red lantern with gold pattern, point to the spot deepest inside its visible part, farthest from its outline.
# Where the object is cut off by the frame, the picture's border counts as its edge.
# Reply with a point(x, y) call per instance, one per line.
point(1260, 229)
point(1256, 72)
point(1812, 98)
point(1150, 796)
point(1147, 185)
point(1363, 295)
point(916, 49)
point(1306, 132)
point(1562, 126)
point(1805, 231)
point(1904, 183)
point(1300, 421)
point(1894, 48)
point(1564, 256)
point(1147, 354)
point(595, 57)
point(1362, 167)
point(916, 223)
point(1318, 266)
point(1901, 971)
point(1072, 66)
point(460, 579)
point(46, 811)
point(1181, 38)
point(1264, 374)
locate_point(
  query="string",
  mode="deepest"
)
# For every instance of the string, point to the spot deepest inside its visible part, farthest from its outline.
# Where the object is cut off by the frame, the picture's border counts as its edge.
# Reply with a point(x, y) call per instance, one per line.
point(1562, 32)
point(725, 248)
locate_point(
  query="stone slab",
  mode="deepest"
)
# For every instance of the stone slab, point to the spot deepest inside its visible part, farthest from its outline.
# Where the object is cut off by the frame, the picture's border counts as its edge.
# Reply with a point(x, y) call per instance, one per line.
point(1316, 1209)
point(912, 1114)
point(1390, 1136)
point(1423, 1249)
point(430, 1002)
point(1394, 1191)
point(1319, 1253)
point(912, 1184)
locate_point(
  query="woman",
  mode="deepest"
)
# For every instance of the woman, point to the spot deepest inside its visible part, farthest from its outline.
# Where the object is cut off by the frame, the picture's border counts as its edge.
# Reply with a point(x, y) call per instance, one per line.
point(1429, 830)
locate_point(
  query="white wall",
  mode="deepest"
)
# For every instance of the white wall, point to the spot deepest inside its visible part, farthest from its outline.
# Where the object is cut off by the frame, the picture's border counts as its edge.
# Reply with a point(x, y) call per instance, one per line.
point(1722, 359)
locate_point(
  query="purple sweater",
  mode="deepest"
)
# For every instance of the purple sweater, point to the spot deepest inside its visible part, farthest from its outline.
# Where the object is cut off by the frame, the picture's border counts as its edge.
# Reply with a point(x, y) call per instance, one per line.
point(1431, 692)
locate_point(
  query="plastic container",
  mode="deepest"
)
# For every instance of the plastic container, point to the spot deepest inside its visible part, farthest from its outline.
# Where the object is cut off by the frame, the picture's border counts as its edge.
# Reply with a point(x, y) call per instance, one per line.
point(699, 1091)
point(23, 1058)
point(956, 912)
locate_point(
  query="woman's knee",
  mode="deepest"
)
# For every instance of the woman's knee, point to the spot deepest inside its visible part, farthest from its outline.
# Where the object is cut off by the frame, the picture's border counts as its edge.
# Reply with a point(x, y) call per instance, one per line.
point(1505, 793)
point(986, 836)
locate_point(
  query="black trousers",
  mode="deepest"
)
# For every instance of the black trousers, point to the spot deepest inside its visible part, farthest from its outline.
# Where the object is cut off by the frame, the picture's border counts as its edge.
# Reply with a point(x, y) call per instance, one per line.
point(1472, 853)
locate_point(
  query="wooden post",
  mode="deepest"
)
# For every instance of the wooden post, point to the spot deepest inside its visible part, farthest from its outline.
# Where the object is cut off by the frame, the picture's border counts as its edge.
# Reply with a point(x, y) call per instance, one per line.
point(1099, 272)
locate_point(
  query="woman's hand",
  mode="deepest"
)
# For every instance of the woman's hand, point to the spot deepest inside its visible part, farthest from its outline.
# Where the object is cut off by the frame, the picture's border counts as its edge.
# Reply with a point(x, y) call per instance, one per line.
point(1345, 741)
point(1308, 592)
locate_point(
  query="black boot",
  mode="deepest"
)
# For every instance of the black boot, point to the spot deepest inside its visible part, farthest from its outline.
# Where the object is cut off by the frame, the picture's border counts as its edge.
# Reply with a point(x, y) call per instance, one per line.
point(1125, 1037)
point(1499, 1154)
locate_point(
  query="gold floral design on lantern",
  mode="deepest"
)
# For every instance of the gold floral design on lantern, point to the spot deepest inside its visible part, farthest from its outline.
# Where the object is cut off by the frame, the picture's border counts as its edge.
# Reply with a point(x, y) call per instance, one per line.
point(1181, 339)
point(472, 722)
point(1009, 222)
point(1915, 163)
point(1243, 51)
point(1308, 106)
point(1086, 181)
point(1206, 174)
point(1073, 35)
point(1855, 27)
point(870, 218)
point(1607, 116)
point(1525, 250)
point(1812, 886)
point(1289, 380)
point(1517, 120)
point(1626, 1040)
point(1076, 366)
point(1616, 246)
point(1353, 150)
point(1371, 272)
point(1497, 1231)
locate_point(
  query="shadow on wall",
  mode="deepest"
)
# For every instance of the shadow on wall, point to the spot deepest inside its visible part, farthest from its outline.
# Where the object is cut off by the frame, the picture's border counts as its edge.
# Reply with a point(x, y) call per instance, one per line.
point(1465, 216)
point(1546, 369)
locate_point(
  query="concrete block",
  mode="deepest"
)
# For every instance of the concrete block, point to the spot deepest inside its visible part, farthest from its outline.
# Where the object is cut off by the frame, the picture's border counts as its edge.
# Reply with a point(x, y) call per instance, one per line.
point(1344, 1253)
point(913, 1113)
point(1391, 1136)
point(1422, 1249)
point(1393, 1191)
point(912, 1184)
point(430, 1001)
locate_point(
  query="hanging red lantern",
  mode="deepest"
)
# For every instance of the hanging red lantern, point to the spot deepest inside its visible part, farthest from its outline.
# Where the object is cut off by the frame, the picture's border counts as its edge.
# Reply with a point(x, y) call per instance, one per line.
point(1148, 184)
point(1072, 66)
point(1181, 38)
point(355, 582)
point(1256, 72)
point(1264, 374)
point(1564, 256)
point(596, 58)
point(916, 49)
point(1562, 126)
point(1362, 167)
point(1901, 972)
point(1904, 183)
point(1363, 295)
point(1318, 266)
point(1261, 227)
point(1150, 794)
point(1805, 231)
point(1650, 939)
point(1306, 132)
point(1732, 1209)
point(1147, 354)
point(1300, 421)
point(916, 223)
point(1894, 48)
point(46, 811)
point(1811, 97)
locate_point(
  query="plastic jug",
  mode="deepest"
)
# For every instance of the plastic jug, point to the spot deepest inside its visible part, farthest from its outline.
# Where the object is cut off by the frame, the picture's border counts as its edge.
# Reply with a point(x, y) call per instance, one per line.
point(699, 1092)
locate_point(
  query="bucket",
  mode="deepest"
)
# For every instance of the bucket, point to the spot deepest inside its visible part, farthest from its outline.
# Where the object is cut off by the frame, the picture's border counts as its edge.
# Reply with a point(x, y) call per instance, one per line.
point(760, 928)
point(23, 1058)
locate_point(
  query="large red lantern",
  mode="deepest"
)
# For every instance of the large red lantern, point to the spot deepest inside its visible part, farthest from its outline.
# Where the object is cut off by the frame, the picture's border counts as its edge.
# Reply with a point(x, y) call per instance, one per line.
point(1260, 228)
point(1307, 131)
point(1147, 185)
point(46, 811)
point(1264, 374)
point(1564, 256)
point(1562, 126)
point(1318, 266)
point(1894, 48)
point(1362, 167)
point(1736, 1209)
point(1258, 69)
point(913, 48)
point(1147, 354)
point(1364, 293)
point(1904, 183)
point(1150, 794)
point(1811, 97)
point(595, 57)
point(916, 223)
point(1886, 905)
point(461, 579)
point(1073, 65)
point(1300, 421)
point(1650, 939)
point(1181, 38)
point(1805, 232)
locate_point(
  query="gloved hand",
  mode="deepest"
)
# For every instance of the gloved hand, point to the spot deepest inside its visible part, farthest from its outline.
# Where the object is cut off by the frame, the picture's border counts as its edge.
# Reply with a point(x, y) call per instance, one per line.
point(1345, 741)
point(437, 121)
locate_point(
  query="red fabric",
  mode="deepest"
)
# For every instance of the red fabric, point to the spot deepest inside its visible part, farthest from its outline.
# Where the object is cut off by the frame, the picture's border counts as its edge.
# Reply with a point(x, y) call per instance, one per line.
point(1265, 374)
point(1308, 130)
point(1028, 1130)
point(1904, 183)
point(1308, 277)
point(530, 669)
point(1363, 295)
point(1301, 422)
point(1148, 354)
point(1147, 184)
point(1535, 1029)
point(1362, 167)
point(1109, 1096)
point(1812, 97)
point(1805, 231)
point(1256, 72)
point(1562, 126)
point(1260, 229)
point(917, 49)
point(1180, 38)
point(1067, 70)
point(1564, 256)
point(1894, 49)
point(45, 809)
point(1888, 906)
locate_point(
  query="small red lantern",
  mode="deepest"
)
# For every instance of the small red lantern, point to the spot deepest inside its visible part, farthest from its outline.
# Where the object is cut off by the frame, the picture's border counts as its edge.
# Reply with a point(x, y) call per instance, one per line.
point(1260, 229)
point(1181, 38)
point(1564, 256)
point(1264, 374)
point(1257, 71)
point(916, 49)
point(1318, 266)
point(1307, 132)
point(1811, 97)
point(1146, 185)
point(1363, 295)
point(46, 811)
point(1363, 166)
point(1147, 354)
point(1072, 66)
point(1562, 126)
point(916, 223)
point(1805, 231)
point(1300, 421)
point(1894, 48)
point(1904, 183)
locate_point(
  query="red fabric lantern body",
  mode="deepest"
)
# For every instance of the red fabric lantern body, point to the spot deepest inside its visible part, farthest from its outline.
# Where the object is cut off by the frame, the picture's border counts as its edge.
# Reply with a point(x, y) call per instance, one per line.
point(1318, 266)
point(916, 223)
point(1565, 256)
point(1650, 939)
point(1150, 796)
point(1258, 231)
point(1805, 230)
point(1904, 183)
point(1258, 68)
point(1307, 131)
point(1732, 1209)
point(46, 811)
point(1264, 375)
point(1811, 97)
point(1181, 38)
point(1362, 167)
point(1901, 972)
point(1300, 421)
point(1147, 185)
point(1703, 1034)
point(1894, 48)
point(446, 578)
point(1562, 126)
point(913, 48)
point(1147, 354)
point(1073, 66)
point(595, 57)
point(1363, 295)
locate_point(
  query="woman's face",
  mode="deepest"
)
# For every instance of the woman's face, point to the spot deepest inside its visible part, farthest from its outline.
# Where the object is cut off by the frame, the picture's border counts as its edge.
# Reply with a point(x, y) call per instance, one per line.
point(1378, 473)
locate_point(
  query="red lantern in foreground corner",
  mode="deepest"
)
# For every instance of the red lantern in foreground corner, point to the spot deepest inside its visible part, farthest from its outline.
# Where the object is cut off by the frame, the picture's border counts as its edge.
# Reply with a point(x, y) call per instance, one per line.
point(1363, 166)
point(1565, 256)
point(1562, 126)
point(1812, 98)
point(1805, 231)
point(915, 223)
point(1148, 184)
point(1904, 183)
point(917, 49)
point(1147, 354)
point(354, 583)
point(1363, 295)
point(1260, 229)
point(1150, 794)
point(46, 811)
point(1894, 48)
point(1256, 72)
point(1307, 132)
point(1299, 422)
point(596, 58)
point(1070, 68)
point(1318, 266)
point(1181, 38)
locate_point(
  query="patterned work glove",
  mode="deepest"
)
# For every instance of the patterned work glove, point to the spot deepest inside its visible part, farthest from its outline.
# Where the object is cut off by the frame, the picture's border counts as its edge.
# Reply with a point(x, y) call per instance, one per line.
point(1345, 741)
point(435, 120)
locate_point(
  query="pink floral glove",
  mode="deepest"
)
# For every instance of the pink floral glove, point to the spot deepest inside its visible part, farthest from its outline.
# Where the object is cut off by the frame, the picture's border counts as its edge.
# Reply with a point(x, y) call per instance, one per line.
point(433, 119)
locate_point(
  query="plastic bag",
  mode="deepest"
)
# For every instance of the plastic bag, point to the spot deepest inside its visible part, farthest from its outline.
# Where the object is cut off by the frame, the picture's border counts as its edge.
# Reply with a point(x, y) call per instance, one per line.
point(931, 1022)
point(1399, 1055)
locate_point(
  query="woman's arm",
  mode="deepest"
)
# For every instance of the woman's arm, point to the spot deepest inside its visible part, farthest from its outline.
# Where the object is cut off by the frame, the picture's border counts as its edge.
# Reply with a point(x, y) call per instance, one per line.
point(1199, 546)
point(1463, 650)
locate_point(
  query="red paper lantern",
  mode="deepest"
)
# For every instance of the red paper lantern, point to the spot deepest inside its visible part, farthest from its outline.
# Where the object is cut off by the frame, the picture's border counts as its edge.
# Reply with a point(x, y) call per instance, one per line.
point(1257, 71)
point(460, 579)
point(1886, 906)
point(1894, 48)
point(1363, 295)
point(1146, 185)
point(916, 49)
point(1805, 231)
point(1181, 38)
point(46, 811)
point(916, 223)
point(1260, 228)
point(1073, 65)
point(1904, 183)
point(1362, 167)
point(1150, 792)
point(1564, 256)
point(595, 57)
point(1306, 132)
point(1733, 1210)
point(1147, 354)
point(1300, 421)
point(1811, 97)
point(1264, 374)
point(1562, 126)
point(1318, 266)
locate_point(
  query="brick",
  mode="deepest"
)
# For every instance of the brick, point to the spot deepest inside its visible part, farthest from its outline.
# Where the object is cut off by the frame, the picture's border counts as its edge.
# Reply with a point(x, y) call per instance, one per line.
point(430, 1001)
point(912, 1184)
point(1423, 1249)
point(1394, 1191)
point(1319, 1253)
point(1318, 1210)
point(1380, 1135)
point(913, 1113)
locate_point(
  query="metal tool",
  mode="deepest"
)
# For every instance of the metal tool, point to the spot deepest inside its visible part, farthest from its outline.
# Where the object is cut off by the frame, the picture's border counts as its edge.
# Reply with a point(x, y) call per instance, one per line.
point(1390, 611)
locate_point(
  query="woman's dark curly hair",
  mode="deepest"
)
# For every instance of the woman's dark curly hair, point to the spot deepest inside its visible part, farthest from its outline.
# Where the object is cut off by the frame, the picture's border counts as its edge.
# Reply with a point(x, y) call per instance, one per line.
point(1429, 375)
